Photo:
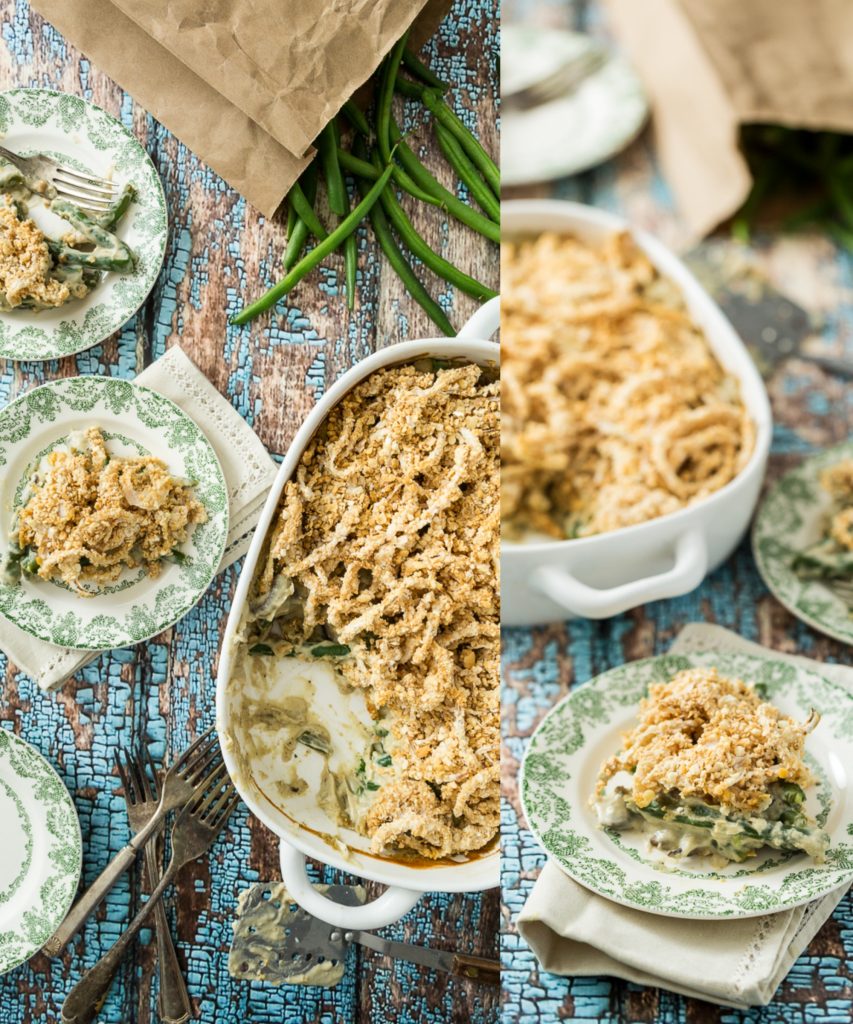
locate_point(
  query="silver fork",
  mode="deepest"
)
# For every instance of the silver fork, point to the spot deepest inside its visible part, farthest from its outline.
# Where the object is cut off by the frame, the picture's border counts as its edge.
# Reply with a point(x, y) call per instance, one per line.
point(179, 785)
point(142, 800)
point(561, 82)
point(194, 831)
point(86, 190)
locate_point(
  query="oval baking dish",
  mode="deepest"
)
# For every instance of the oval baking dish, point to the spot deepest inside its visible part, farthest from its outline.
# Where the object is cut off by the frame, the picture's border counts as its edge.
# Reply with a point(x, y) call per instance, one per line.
point(308, 836)
point(608, 573)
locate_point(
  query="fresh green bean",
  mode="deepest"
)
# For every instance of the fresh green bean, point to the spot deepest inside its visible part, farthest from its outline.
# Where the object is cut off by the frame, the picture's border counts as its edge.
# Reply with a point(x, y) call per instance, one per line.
point(317, 254)
point(386, 97)
point(297, 239)
point(401, 265)
point(454, 206)
point(467, 172)
point(306, 212)
point(420, 70)
point(441, 112)
point(335, 190)
point(419, 248)
point(339, 202)
point(109, 252)
point(383, 122)
point(351, 268)
point(360, 168)
point(356, 118)
point(292, 218)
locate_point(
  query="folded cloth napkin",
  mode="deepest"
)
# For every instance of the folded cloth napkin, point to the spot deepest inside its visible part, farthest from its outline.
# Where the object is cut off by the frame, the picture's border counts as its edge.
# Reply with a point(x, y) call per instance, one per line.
point(737, 963)
point(249, 473)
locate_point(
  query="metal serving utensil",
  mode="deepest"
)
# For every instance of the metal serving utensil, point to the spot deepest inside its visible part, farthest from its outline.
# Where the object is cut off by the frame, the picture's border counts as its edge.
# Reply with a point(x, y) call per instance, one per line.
point(275, 940)
point(187, 777)
point(85, 190)
point(773, 326)
point(195, 829)
point(142, 799)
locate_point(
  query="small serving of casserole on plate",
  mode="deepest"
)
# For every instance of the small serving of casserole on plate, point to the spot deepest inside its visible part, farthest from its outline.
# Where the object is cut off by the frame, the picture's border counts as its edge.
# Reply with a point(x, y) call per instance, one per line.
point(712, 769)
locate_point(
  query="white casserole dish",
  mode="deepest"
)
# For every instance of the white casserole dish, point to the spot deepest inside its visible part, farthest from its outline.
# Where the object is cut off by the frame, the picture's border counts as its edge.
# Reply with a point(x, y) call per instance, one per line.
point(407, 882)
point(596, 577)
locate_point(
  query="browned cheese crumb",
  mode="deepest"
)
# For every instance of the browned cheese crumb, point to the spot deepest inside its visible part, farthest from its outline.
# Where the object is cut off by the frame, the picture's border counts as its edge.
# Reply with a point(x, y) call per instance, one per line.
point(92, 515)
point(838, 481)
point(390, 530)
point(25, 262)
point(615, 410)
point(710, 737)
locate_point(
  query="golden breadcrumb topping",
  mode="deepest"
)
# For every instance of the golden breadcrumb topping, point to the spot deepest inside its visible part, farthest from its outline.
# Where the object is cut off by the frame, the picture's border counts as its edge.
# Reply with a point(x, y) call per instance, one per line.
point(90, 515)
point(614, 409)
point(710, 737)
point(838, 481)
point(25, 262)
point(389, 531)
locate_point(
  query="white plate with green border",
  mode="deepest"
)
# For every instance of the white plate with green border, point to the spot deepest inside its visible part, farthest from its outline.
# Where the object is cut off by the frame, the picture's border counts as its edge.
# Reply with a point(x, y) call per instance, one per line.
point(135, 421)
point(565, 754)
point(40, 854)
point(793, 515)
point(568, 135)
point(87, 138)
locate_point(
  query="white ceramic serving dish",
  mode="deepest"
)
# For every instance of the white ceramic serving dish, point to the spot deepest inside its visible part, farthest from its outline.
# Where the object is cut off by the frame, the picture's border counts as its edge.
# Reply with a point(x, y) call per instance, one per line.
point(596, 577)
point(406, 882)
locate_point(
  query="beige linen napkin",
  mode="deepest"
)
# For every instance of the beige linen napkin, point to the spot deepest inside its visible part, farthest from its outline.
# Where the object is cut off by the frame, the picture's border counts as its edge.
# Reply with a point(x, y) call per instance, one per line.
point(740, 963)
point(249, 473)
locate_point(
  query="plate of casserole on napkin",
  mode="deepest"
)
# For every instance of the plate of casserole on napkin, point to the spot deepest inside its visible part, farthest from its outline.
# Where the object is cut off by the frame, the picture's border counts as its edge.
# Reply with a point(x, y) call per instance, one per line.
point(602, 895)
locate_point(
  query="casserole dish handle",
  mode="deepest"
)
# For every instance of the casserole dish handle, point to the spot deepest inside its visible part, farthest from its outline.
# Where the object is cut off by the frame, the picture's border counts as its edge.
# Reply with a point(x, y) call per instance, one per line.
point(483, 324)
point(579, 599)
point(384, 910)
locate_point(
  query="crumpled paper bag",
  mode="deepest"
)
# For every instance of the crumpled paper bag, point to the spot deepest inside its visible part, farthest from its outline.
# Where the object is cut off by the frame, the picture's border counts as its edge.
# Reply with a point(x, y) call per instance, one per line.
point(710, 68)
point(248, 84)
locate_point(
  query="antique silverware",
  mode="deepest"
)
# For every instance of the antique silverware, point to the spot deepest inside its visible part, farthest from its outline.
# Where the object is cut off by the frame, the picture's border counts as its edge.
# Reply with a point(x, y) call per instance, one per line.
point(276, 940)
point(562, 81)
point(775, 327)
point(188, 776)
point(142, 799)
point(85, 190)
point(195, 829)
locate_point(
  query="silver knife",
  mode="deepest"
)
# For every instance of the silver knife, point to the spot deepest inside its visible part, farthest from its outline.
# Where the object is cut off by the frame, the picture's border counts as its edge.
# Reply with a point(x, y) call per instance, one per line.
point(461, 965)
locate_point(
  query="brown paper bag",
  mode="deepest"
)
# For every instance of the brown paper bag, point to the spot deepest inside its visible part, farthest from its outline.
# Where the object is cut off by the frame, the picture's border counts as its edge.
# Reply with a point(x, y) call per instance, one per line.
point(288, 64)
point(711, 67)
point(217, 130)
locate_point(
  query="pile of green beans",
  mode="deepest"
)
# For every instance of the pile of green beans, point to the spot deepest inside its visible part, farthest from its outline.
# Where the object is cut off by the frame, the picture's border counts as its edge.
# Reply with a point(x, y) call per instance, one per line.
point(380, 164)
point(801, 179)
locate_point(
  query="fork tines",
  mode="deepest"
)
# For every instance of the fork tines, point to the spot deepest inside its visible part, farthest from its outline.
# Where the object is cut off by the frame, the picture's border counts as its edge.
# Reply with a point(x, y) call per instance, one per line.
point(218, 800)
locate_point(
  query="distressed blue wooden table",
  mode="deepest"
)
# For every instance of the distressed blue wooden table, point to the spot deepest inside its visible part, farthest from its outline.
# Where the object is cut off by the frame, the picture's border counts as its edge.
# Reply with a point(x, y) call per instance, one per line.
point(161, 693)
point(811, 411)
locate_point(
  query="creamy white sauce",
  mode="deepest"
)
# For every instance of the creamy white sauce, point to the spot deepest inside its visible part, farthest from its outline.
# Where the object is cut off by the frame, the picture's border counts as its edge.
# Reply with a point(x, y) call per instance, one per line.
point(275, 699)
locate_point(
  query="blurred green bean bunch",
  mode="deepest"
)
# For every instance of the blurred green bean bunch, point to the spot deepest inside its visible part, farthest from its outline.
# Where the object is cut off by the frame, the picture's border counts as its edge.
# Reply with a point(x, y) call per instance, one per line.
point(808, 174)
point(381, 164)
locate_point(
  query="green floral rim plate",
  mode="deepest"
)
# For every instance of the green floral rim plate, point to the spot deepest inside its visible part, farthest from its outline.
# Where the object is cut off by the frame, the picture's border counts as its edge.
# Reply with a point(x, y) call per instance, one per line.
point(792, 516)
point(562, 763)
point(40, 854)
point(88, 138)
point(134, 420)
